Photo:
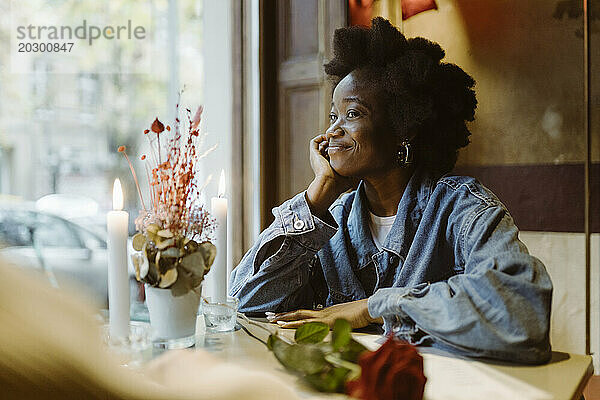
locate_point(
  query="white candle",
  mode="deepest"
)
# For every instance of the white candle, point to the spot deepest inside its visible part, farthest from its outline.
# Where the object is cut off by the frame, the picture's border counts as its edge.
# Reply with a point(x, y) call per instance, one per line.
point(219, 268)
point(118, 278)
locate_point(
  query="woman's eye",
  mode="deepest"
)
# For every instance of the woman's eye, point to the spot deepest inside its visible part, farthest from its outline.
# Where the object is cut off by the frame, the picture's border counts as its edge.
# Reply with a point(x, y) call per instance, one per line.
point(352, 114)
point(332, 117)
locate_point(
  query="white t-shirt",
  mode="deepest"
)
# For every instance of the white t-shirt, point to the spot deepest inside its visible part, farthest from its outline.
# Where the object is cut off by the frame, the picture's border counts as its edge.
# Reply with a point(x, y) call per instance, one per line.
point(380, 228)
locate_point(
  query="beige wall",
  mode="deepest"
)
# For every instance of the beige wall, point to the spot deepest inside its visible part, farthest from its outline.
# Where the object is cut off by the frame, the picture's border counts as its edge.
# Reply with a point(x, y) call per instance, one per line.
point(529, 72)
point(564, 257)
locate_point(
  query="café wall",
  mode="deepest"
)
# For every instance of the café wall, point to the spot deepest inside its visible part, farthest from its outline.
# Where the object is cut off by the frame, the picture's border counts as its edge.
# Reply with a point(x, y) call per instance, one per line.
point(528, 139)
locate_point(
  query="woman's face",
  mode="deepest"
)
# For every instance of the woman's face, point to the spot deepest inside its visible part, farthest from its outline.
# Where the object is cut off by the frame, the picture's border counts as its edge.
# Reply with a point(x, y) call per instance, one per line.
point(359, 144)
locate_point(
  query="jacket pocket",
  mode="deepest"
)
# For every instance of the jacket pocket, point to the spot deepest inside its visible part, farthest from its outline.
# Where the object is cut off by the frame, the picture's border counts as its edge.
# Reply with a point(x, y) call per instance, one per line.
point(368, 278)
point(336, 297)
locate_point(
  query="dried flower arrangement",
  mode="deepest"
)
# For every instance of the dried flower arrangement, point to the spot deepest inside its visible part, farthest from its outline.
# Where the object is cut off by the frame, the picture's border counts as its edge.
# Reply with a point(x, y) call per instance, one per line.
point(174, 233)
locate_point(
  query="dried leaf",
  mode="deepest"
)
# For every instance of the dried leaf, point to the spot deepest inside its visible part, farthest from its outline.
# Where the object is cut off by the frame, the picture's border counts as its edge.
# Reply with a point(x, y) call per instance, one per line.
point(153, 228)
point(152, 276)
point(168, 278)
point(183, 284)
point(150, 251)
point(165, 243)
point(209, 252)
point(144, 266)
point(190, 246)
point(135, 258)
point(195, 281)
point(194, 263)
point(138, 241)
point(164, 263)
point(165, 233)
point(172, 252)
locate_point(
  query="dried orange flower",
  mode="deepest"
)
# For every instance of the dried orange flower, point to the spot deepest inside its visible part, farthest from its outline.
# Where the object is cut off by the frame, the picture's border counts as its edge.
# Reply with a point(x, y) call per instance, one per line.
point(157, 126)
point(197, 117)
point(175, 200)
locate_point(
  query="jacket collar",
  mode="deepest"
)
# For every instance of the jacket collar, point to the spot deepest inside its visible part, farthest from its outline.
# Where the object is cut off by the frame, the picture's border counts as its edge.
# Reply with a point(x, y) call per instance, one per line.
point(408, 216)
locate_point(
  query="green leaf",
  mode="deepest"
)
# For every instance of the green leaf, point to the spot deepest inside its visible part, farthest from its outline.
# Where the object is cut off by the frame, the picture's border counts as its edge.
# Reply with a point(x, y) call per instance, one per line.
point(331, 380)
point(303, 358)
point(307, 358)
point(336, 361)
point(275, 343)
point(311, 332)
point(352, 351)
point(341, 334)
point(272, 338)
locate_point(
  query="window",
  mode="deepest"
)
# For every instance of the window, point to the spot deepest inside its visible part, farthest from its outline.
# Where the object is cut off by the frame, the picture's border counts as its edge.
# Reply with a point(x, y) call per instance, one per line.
point(63, 115)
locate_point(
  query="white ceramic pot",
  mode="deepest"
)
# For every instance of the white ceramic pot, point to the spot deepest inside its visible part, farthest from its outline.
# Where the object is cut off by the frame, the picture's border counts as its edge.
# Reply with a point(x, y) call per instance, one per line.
point(173, 318)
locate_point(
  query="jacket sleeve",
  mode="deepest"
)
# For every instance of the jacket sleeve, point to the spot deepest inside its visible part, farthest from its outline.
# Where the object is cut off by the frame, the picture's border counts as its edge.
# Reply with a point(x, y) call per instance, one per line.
point(274, 274)
point(498, 308)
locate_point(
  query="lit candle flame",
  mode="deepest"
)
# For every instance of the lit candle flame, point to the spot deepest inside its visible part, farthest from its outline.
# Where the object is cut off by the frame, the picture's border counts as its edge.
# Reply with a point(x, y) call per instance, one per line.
point(222, 184)
point(117, 195)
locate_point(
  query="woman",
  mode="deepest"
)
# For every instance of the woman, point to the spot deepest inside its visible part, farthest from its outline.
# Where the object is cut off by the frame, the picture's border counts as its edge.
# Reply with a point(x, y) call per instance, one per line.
point(434, 257)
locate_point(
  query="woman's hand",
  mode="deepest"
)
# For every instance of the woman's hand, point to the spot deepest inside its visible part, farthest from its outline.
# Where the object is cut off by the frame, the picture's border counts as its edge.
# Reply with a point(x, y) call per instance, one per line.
point(356, 312)
point(327, 184)
point(319, 160)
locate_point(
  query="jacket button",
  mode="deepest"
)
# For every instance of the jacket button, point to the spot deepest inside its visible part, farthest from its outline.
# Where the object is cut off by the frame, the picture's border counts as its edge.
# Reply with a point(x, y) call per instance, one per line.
point(393, 259)
point(298, 224)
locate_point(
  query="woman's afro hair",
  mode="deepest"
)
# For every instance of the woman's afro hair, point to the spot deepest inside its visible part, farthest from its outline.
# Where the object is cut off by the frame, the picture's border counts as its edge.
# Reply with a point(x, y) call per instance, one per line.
point(428, 101)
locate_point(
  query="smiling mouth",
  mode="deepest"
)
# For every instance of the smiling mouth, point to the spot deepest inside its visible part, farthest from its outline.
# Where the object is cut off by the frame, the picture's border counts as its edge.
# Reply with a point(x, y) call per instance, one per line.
point(333, 149)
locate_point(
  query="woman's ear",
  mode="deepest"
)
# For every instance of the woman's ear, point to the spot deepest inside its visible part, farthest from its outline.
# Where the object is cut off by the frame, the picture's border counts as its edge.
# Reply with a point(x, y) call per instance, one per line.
point(405, 151)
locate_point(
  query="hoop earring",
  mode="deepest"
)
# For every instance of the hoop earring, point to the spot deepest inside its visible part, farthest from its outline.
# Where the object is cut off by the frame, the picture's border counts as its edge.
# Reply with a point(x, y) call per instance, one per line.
point(404, 157)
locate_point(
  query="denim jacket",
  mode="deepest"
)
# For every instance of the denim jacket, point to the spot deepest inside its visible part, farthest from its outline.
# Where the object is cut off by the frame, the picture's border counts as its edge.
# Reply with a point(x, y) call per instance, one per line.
point(452, 273)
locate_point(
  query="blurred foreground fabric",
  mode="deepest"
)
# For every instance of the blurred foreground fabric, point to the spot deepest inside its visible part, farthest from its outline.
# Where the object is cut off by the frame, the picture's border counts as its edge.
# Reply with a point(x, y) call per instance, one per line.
point(50, 348)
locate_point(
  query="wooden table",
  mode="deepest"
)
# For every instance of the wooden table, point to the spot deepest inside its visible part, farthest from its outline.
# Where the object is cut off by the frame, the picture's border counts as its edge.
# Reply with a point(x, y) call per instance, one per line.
point(448, 378)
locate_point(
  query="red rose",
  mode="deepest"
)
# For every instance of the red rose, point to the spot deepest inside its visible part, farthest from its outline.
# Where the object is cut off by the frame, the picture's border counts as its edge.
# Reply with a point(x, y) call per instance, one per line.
point(394, 371)
point(157, 126)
